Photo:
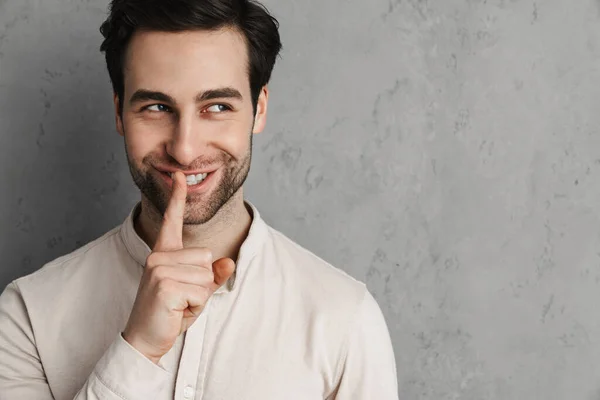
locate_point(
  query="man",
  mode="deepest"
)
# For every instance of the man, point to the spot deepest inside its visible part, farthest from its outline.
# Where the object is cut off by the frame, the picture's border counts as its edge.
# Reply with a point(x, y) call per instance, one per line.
point(194, 296)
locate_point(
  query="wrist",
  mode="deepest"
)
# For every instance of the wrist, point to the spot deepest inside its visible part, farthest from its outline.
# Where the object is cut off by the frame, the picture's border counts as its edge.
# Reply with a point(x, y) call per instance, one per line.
point(142, 347)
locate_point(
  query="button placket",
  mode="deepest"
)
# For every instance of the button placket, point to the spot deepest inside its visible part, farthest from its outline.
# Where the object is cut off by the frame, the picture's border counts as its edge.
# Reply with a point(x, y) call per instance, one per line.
point(188, 392)
point(189, 365)
point(210, 332)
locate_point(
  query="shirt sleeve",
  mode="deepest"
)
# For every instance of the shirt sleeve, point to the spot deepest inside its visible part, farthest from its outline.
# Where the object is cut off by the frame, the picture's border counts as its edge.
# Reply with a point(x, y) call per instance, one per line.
point(369, 369)
point(121, 374)
point(21, 372)
point(124, 373)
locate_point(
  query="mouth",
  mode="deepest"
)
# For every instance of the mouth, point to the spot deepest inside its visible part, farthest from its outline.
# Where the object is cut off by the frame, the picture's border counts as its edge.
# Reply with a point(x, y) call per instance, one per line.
point(195, 182)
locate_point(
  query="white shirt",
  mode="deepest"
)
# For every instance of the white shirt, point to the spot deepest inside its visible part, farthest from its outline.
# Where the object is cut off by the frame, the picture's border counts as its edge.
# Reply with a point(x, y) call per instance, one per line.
point(287, 325)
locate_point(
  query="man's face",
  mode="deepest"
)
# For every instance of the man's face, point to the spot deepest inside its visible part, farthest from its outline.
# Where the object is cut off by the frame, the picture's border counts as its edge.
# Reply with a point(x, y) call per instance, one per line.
point(187, 106)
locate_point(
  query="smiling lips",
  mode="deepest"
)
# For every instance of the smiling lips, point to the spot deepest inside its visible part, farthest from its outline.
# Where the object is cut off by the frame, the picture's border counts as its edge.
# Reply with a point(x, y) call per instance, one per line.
point(193, 179)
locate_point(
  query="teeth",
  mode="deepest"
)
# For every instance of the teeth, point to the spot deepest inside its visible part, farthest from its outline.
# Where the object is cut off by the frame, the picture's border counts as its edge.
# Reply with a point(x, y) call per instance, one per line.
point(193, 179)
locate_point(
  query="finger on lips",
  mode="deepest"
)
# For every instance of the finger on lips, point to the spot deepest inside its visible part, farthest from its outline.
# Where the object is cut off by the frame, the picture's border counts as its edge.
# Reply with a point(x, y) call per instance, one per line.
point(172, 261)
point(170, 236)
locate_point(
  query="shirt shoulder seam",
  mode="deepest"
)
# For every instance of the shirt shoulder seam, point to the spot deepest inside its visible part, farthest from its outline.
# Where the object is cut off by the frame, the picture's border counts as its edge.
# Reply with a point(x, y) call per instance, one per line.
point(314, 256)
point(68, 257)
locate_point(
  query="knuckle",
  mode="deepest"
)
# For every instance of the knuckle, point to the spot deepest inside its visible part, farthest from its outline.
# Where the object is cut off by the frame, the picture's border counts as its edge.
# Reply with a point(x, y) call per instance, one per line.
point(209, 276)
point(203, 293)
point(158, 273)
point(153, 259)
point(164, 287)
point(200, 256)
point(201, 276)
point(207, 257)
point(150, 260)
point(172, 217)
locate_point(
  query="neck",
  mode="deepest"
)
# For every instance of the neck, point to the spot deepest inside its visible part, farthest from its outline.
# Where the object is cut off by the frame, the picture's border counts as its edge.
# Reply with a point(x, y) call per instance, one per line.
point(223, 234)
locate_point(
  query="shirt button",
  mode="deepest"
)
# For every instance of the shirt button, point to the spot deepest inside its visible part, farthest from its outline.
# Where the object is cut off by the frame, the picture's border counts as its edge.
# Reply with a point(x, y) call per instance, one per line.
point(188, 392)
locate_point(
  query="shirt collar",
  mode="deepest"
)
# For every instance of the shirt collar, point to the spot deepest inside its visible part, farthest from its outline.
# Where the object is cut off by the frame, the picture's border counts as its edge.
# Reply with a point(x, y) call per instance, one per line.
point(139, 250)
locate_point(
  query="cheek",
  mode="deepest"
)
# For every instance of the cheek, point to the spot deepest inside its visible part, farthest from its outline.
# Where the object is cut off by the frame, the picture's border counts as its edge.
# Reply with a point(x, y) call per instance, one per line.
point(143, 138)
point(233, 137)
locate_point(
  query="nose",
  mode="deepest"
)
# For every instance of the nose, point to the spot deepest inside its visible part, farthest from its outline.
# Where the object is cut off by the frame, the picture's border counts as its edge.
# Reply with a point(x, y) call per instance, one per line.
point(186, 142)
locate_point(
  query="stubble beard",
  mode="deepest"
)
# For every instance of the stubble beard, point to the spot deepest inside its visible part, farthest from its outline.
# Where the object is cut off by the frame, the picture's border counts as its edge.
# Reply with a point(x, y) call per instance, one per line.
point(200, 208)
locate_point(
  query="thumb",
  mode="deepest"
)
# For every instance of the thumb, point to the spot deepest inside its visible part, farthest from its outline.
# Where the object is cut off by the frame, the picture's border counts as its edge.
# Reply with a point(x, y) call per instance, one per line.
point(222, 269)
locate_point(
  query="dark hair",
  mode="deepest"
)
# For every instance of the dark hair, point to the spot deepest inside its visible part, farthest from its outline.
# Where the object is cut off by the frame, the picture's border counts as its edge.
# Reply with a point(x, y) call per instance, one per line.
point(252, 19)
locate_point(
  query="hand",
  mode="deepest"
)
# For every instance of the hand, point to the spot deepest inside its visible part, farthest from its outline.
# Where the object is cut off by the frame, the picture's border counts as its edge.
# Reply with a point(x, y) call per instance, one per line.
point(175, 285)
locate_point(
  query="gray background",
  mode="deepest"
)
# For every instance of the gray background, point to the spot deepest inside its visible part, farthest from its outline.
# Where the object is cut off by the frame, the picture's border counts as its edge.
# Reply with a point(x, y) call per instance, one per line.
point(445, 152)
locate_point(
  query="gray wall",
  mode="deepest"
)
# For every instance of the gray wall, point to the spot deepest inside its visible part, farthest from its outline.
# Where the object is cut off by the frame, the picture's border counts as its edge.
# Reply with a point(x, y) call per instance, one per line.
point(445, 152)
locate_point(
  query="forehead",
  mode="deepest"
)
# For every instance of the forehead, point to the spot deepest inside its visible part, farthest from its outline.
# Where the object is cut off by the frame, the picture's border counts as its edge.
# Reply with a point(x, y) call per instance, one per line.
point(194, 60)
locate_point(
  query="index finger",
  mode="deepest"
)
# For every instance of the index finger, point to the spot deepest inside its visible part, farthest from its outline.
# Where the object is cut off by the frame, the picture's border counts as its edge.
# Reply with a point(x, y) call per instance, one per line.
point(170, 236)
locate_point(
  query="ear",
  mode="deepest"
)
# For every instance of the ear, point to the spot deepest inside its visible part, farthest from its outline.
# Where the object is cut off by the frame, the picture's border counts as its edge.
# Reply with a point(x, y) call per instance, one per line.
point(260, 119)
point(118, 119)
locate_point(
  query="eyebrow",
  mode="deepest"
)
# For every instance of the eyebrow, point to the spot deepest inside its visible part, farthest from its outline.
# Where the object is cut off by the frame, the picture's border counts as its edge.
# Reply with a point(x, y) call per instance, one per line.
point(220, 93)
point(142, 95)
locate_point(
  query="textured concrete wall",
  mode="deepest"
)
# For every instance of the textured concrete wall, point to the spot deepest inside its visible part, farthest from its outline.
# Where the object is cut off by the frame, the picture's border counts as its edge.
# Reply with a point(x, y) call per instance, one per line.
point(445, 152)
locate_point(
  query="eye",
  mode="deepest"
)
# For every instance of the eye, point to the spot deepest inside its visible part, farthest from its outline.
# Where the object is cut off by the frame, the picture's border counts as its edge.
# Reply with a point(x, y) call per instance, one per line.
point(157, 108)
point(217, 108)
